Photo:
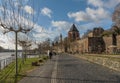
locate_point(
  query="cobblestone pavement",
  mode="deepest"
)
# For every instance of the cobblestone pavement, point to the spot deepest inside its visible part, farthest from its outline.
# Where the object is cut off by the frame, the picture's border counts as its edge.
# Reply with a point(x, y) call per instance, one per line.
point(69, 69)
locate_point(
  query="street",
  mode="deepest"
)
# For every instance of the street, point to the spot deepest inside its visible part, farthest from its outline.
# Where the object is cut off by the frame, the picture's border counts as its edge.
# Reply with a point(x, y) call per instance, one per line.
point(69, 69)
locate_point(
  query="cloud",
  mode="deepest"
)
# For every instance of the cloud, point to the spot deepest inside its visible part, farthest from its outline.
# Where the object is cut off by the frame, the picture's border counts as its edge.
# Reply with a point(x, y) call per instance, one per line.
point(90, 15)
point(24, 22)
point(111, 3)
point(46, 12)
point(38, 28)
point(5, 41)
point(97, 14)
point(40, 33)
point(96, 3)
point(29, 9)
point(100, 10)
point(61, 25)
point(104, 24)
point(57, 27)
point(11, 19)
point(103, 3)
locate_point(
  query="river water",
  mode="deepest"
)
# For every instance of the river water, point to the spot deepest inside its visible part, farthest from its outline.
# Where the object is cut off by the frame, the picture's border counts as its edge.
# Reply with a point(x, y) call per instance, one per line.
point(6, 54)
point(6, 58)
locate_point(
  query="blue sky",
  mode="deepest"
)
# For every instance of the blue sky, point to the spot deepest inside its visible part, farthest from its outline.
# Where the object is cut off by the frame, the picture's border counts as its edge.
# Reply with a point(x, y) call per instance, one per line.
point(85, 14)
point(56, 16)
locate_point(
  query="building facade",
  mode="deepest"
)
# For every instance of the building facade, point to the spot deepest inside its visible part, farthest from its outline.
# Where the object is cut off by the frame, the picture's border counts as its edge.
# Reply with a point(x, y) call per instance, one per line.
point(93, 43)
point(73, 33)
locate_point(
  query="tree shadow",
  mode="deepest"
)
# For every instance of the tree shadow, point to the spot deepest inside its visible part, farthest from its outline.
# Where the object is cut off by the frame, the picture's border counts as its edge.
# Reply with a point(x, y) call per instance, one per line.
point(16, 79)
point(75, 80)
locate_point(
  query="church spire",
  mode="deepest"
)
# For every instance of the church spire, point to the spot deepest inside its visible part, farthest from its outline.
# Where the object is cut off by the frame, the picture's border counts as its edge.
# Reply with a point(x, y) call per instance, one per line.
point(73, 33)
point(73, 28)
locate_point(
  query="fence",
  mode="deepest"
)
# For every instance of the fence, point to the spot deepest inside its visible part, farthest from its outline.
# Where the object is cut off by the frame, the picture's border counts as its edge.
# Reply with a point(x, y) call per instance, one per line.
point(4, 61)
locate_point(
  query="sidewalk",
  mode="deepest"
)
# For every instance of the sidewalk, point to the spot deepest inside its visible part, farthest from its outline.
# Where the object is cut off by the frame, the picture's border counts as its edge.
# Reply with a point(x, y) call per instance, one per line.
point(43, 74)
point(70, 69)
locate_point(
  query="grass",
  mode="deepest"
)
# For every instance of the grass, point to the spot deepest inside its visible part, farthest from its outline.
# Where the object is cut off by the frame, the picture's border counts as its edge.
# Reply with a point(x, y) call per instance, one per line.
point(111, 57)
point(7, 75)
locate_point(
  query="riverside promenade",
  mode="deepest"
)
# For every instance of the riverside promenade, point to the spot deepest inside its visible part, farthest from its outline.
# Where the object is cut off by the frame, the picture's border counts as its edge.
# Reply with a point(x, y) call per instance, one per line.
point(69, 69)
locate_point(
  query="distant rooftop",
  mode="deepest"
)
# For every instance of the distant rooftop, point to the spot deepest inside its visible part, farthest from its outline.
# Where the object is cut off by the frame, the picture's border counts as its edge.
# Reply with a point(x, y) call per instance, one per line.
point(73, 28)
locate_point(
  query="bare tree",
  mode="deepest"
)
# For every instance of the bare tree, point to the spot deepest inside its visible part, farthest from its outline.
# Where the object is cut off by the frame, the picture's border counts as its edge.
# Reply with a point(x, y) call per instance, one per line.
point(25, 44)
point(14, 18)
point(47, 44)
point(116, 15)
point(116, 20)
point(44, 46)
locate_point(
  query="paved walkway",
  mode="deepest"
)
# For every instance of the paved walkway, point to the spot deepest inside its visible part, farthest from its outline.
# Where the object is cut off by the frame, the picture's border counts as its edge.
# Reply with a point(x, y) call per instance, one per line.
point(41, 74)
point(69, 69)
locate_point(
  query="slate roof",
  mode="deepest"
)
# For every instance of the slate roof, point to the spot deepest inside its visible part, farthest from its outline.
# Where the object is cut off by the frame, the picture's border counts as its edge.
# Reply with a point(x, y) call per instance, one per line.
point(73, 28)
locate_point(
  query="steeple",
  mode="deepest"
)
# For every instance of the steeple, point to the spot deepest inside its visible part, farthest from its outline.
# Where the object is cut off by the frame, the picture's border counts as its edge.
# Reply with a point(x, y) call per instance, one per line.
point(73, 33)
point(73, 28)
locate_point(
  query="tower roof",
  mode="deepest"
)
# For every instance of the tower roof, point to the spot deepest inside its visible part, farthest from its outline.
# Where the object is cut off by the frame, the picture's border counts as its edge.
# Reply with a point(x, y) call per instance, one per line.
point(73, 28)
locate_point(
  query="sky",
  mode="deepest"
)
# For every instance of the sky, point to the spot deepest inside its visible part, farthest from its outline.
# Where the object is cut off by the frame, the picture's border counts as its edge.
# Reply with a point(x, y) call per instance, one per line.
point(55, 17)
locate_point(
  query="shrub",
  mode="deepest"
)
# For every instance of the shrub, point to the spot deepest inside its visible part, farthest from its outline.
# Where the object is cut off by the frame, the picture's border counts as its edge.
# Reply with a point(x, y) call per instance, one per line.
point(35, 63)
point(40, 60)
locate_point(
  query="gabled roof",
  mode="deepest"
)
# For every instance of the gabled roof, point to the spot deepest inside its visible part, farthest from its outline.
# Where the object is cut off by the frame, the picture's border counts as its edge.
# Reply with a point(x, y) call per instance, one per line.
point(73, 28)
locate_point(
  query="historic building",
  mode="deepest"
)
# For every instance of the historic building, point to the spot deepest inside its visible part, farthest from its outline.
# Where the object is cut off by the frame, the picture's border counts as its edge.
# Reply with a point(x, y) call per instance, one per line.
point(91, 45)
point(94, 42)
point(73, 33)
point(97, 31)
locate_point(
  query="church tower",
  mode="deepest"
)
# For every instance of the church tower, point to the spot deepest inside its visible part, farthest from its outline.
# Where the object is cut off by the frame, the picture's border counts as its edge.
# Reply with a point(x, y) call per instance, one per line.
point(60, 37)
point(73, 33)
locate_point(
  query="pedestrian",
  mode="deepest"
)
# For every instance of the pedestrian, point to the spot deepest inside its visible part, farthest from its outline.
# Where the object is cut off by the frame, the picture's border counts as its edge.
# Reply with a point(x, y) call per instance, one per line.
point(50, 54)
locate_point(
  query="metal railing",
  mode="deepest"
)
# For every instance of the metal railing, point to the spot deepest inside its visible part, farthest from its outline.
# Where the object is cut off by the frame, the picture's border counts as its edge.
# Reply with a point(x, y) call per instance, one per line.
point(6, 61)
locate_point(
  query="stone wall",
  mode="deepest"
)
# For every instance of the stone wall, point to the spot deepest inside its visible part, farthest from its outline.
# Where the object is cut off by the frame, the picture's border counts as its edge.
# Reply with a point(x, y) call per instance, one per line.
point(83, 45)
point(111, 63)
point(118, 42)
point(79, 46)
point(90, 44)
point(94, 44)
point(97, 31)
point(90, 34)
point(108, 43)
